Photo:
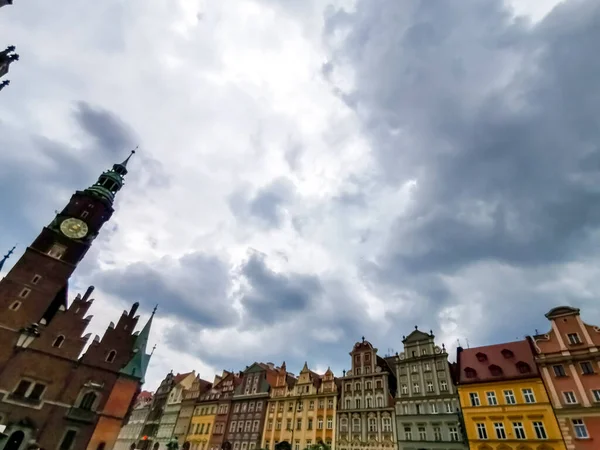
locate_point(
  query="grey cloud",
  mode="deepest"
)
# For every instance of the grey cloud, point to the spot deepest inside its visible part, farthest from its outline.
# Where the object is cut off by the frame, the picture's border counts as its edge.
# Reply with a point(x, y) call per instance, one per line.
point(271, 295)
point(494, 120)
point(194, 288)
point(108, 130)
point(266, 206)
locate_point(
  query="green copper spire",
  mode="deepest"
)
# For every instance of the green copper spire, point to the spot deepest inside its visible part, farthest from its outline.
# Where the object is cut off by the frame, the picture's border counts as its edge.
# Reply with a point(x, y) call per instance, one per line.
point(111, 181)
point(3, 260)
point(138, 364)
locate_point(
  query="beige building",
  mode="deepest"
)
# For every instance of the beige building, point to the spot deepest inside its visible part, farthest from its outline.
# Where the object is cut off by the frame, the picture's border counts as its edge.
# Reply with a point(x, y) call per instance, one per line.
point(301, 410)
point(166, 427)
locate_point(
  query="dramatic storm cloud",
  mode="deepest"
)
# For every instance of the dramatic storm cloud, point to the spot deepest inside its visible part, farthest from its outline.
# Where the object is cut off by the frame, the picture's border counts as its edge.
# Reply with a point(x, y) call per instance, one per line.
point(310, 172)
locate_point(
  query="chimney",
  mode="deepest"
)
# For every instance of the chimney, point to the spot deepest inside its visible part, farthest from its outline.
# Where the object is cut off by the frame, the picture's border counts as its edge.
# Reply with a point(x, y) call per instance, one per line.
point(88, 292)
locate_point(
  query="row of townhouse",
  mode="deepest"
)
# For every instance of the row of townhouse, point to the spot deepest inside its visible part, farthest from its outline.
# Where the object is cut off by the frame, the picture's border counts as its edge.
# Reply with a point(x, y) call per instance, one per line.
point(541, 393)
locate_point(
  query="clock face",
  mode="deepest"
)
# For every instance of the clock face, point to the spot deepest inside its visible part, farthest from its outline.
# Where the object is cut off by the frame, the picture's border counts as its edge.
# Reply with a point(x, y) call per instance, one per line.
point(74, 228)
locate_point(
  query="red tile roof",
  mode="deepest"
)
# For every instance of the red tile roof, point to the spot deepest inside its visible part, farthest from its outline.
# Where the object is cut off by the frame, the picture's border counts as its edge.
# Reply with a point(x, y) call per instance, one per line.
point(509, 361)
point(145, 395)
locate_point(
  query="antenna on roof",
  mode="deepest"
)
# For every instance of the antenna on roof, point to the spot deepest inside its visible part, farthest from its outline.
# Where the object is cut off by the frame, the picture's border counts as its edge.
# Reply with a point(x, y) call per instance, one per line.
point(467, 343)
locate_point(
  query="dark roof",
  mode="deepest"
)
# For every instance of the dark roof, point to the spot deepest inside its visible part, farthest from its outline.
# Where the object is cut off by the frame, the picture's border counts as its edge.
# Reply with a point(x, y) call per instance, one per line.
point(561, 311)
point(490, 363)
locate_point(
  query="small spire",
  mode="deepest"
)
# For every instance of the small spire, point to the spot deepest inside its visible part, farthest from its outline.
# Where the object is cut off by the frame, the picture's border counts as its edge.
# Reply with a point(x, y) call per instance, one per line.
point(416, 327)
point(5, 258)
point(154, 310)
point(363, 339)
point(153, 348)
point(124, 163)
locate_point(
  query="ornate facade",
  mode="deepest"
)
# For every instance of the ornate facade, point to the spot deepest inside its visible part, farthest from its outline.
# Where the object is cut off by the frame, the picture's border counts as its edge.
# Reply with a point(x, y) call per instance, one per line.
point(365, 414)
point(168, 420)
point(132, 430)
point(199, 409)
point(52, 395)
point(427, 403)
point(249, 402)
point(301, 411)
point(226, 388)
point(504, 401)
point(569, 359)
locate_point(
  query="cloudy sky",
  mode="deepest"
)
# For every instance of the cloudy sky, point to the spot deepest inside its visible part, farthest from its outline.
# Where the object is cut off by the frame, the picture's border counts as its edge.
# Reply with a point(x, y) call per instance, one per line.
point(312, 171)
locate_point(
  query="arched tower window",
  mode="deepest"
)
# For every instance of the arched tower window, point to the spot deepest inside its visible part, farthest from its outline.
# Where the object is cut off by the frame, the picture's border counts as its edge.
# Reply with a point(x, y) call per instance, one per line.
point(111, 356)
point(58, 342)
point(88, 400)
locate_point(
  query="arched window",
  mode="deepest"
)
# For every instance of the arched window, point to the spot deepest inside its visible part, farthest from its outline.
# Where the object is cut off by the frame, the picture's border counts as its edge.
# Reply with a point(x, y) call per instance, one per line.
point(87, 401)
point(58, 342)
point(111, 356)
point(523, 367)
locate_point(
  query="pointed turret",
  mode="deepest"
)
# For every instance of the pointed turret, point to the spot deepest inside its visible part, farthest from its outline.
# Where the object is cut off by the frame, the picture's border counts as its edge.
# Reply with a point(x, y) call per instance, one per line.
point(5, 258)
point(305, 368)
point(110, 182)
point(138, 364)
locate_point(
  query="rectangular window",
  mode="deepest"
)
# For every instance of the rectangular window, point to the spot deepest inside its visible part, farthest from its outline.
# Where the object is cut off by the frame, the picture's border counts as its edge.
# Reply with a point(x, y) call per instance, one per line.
point(236, 446)
point(443, 385)
point(309, 426)
point(407, 433)
point(84, 214)
point(252, 446)
point(251, 407)
point(574, 338)
point(248, 426)
point(491, 398)
point(267, 445)
point(24, 292)
point(278, 425)
point(259, 406)
point(308, 443)
point(311, 405)
point(36, 279)
point(244, 445)
point(422, 434)
point(481, 431)
point(430, 386)
point(240, 426)
point(596, 394)
point(434, 408)
point(474, 397)
point(570, 397)
point(297, 445)
point(580, 429)
point(528, 395)
point(540, 431)
point(348, 404)
point(270, 424)
point(236, 408)
point(255, 426)
point(288, 424)
point(519, 430)
point(509, 397)
point(449, 407)
point(320, 423)
point(437, 433)
point(387, 425)
point(416, 388)
point(405, 409)
point(454, 434)
point(22, 388)
point(299, 424)
point(67, 440)
point(330, 423)
point(500, 431)
point(559, 370)
point(232, 426)
point(272, 407)
point(586, 368)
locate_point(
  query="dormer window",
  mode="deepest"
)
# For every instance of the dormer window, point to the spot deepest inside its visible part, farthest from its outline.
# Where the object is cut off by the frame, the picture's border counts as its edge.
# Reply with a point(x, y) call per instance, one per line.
point(470, 373)
point(507, 353)
point(523, 367)
point(495, 370)
point(481, 357)
point(574, 338)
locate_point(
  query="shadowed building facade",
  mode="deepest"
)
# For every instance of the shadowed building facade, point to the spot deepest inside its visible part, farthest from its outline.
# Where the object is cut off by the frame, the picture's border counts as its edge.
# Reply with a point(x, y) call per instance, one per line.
point(132, 430)
point(427, 403)
point(365, 414)
point(51, 394)
point(569, 359)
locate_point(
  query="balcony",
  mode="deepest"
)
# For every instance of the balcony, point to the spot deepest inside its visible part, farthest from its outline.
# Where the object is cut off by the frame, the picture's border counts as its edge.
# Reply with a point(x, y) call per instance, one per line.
point(81, 415)
point(25, 401)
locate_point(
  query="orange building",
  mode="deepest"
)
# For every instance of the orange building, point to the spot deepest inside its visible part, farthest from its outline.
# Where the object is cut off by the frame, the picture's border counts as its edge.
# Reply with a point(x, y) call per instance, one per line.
point(569, 359)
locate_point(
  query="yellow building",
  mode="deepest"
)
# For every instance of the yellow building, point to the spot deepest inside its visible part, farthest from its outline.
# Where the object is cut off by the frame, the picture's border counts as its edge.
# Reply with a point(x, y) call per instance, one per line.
point(203, 417)
point(503, 399)
point(301, 410)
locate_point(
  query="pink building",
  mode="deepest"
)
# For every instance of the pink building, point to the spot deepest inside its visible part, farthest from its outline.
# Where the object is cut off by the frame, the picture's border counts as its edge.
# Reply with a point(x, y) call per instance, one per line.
point(569, 360)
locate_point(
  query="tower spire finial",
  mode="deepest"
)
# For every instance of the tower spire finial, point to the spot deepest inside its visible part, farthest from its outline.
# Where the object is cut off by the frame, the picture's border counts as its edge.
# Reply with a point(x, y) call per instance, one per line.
point(3, 260)
point(124, 163)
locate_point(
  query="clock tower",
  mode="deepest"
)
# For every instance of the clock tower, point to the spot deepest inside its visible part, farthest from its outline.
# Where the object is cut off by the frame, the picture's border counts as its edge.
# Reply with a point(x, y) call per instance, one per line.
point(36, 287)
